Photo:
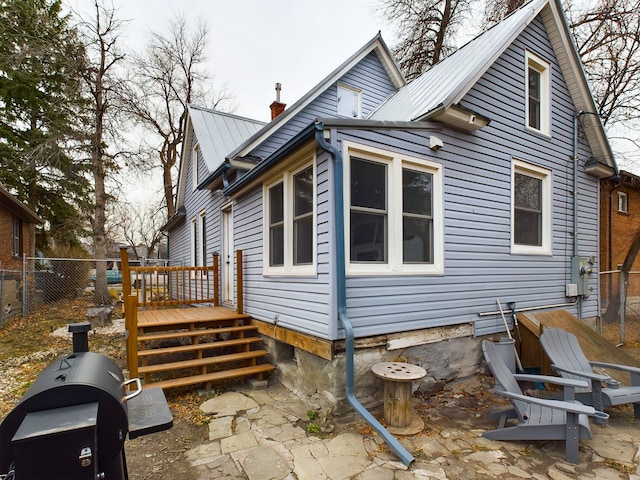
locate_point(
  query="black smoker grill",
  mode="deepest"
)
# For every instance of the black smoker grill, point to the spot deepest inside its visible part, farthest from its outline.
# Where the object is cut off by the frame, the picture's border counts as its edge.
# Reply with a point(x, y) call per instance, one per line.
point(73, 420)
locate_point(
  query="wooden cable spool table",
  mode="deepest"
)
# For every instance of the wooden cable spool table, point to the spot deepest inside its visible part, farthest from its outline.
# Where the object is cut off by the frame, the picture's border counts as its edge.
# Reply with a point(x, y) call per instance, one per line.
point(398, 378)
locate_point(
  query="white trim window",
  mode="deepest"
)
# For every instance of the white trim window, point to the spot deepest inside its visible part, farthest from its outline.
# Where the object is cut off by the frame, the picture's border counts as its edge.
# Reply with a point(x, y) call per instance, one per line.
point(623, 202)
point(393, 213)
point(538, 96)
point(349, 101)
point(194, 166)
point(290, 220)
point(194, 243)
point(201, 260)
point(531, 209)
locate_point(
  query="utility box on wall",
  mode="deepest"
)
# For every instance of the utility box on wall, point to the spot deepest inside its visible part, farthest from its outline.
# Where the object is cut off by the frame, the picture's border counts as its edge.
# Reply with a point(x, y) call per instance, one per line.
point(581, 268)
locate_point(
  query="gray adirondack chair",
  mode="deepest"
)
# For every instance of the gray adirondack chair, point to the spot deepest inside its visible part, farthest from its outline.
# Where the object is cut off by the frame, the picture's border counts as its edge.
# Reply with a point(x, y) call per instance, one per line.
point(568, 359)
point(537, 418)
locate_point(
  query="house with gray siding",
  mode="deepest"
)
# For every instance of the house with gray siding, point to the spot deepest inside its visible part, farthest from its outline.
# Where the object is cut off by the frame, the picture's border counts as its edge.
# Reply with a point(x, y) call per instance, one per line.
point(392, 215)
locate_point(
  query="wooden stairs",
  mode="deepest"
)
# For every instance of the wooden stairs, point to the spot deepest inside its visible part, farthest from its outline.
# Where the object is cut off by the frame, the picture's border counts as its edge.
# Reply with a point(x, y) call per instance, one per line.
point(177, 332)
point(214, 345)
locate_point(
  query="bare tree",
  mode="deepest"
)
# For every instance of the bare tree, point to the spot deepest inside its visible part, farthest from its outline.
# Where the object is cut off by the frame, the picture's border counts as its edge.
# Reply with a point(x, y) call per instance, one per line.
point(103, 56)
point(167, 77)
point(496, 10)
point(426, 29)
point(140, 227)
point(608, 41)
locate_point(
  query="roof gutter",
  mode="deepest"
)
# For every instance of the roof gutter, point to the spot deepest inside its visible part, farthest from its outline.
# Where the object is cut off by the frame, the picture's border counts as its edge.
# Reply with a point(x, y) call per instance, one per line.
point(393, 442)
point(294, 144)
point(220, 171)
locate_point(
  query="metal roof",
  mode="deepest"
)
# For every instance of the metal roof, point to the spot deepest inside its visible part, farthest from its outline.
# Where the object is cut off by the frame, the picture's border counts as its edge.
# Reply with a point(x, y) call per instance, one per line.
point(447, 81)
point(376, 44)
point(218, 133)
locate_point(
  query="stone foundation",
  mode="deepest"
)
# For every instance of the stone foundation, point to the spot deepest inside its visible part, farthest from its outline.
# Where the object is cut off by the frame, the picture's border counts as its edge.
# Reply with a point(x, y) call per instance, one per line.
point(322, 382)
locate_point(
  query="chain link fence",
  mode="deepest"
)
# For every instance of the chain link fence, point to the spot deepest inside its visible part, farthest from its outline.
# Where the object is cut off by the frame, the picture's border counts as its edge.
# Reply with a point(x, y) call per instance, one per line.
point(620, 306)
point(43, 281)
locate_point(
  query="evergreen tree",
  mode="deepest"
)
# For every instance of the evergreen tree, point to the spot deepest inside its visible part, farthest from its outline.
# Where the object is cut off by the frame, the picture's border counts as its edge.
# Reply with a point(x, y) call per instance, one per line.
point(40, 97)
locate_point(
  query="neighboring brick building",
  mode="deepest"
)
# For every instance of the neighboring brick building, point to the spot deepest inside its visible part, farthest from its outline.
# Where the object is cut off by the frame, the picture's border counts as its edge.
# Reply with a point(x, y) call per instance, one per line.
point(17, 231)
point(17, 238)
point(619, 224)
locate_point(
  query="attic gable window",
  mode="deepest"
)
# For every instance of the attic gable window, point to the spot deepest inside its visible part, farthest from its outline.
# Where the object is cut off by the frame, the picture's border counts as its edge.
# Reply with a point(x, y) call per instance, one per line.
point(349, 101)
point(393, 210)
point(531, 209)
point(290, 219)
point(537, 93)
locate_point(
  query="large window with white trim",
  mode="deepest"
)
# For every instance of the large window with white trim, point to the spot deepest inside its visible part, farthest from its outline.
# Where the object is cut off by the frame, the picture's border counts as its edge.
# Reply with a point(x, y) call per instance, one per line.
point(538, 94)
point(531, 209)
point(290, 225)
point(393, 210)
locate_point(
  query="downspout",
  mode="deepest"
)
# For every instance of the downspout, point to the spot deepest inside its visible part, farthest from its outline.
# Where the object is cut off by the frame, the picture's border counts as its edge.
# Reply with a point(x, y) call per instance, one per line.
point(393, 442)
point(575, 197)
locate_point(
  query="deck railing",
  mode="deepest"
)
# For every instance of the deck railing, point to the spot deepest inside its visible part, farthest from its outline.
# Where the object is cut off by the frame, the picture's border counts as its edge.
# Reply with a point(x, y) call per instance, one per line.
point(163, 287)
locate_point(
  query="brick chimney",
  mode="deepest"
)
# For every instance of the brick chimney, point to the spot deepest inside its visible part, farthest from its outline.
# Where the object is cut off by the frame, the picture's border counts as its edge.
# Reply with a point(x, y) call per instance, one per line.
point(277, 107)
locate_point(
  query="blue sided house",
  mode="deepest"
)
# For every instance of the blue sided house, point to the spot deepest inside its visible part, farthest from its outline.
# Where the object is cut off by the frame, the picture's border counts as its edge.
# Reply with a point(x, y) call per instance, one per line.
point(382, 219)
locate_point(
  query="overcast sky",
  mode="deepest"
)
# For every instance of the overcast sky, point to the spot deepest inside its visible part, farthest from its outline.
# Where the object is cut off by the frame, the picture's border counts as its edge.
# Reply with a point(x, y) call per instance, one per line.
point(255, 43)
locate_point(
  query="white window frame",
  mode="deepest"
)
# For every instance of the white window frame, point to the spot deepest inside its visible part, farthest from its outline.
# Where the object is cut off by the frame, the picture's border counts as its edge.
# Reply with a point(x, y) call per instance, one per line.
point(623, 202)
point(545, 176)
point(297, 164)
point(193, 233)
point(544, 69)
point(395, 163)
point(350, 90)
point(194, 166)
point(201, 261)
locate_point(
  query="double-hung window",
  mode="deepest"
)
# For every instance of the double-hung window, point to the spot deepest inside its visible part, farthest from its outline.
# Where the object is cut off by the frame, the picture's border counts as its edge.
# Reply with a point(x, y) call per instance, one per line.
point(623, 202)
point(16, 237)
point(531, 209)
point(393, 210)
point(538, 94)
point(290, 224)
point(202, 240)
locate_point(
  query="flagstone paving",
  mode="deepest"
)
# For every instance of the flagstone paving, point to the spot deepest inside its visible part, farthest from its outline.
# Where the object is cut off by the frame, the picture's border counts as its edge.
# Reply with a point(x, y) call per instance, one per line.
point(263, 435)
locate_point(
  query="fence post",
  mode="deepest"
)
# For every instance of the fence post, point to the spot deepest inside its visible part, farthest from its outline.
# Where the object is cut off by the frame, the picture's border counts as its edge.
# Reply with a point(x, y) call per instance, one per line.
point(239, 282)
point(126, 277)
point(623, 303)
point(25, 287)
point(131, 333)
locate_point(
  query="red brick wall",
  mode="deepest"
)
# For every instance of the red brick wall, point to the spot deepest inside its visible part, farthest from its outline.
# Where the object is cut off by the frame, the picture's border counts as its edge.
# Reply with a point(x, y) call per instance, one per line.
point(7, 261)
point(617, 230)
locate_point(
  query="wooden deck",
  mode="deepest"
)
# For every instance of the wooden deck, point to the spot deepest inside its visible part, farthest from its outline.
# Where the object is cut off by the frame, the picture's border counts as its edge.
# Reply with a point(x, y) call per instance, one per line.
point(186, 316)
point(172, 342)
point(593, 345)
